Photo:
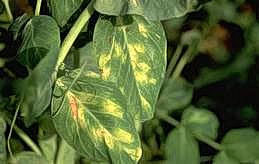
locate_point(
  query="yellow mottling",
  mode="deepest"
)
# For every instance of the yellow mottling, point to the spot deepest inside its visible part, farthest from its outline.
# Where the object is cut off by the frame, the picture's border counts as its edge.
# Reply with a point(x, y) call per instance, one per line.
point(145, 103)
point(152, 81)
point(118, 50)
point(135, 154)
point(104, 59)
point(112, 108)
point(109, 141)
point(92, 74)
point(123, 136)
point(135, 2)
point(59, 83)
point(142, 29)
point(105, 72)
point(133, 56)
point(144, 67)
point(141, 77)
point(139, 47)
point(101, 133)
point(81, 117)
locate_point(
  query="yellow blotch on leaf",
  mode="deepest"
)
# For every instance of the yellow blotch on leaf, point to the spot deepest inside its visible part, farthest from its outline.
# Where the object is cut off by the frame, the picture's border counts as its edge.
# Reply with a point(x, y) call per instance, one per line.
point(112, 108)
point(135, 154)
point(104, 59)
point(142, 29)
point(139, 48)
point(123, 136)
point(118, 50)
point(101, 134)
point(105, 72)
point(145, 103)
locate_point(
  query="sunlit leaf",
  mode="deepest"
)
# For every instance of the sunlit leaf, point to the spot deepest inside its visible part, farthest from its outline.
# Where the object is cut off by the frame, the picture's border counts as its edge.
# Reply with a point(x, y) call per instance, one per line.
point(91, 115)
point(151, 9)
point(132, 53)
point(201, 122)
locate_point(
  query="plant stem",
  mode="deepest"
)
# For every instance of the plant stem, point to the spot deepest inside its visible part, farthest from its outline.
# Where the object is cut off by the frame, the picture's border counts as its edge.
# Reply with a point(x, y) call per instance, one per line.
point(200, 137)
point(173, 61)
point(38, 6)
point(74, 32)
point(186, 57)
point(8, 10)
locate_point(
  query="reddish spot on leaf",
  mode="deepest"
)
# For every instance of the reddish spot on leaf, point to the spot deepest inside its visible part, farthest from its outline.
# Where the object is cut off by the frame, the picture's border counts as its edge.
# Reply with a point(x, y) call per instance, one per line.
point(73, 105)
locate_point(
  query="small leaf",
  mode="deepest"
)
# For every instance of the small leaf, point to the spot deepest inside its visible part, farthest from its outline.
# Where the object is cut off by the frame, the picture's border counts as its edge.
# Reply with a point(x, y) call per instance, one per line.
point(201, 122)
point(62, 10)
point(36, 89)
point(18, 24)
point(27, 158)
point(66, 154)
point(242, 144)
point(131, 52)
point(39, 35)
point(181, 147)
point(223, 158)
point(177, 94)
point(91, 115)
point(150, 9)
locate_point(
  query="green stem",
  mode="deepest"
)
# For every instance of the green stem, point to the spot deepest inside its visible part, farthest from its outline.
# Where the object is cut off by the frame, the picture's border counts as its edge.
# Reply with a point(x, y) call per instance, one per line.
point(20, 133)
point(74, 32)
point(8, 10)
point(38, 6)
point(200, 137)
point(186, 57)
point(173, 61)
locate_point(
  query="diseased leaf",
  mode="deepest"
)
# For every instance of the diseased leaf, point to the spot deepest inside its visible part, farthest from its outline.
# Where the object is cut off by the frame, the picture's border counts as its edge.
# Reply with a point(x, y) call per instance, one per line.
point(242, 144)
point(150, 9)
point(27, 158)
point(36, 89)
point(133, 56)
point(3, 153)
point(201, 122)
point(91, 115)
point(62, 10)
point(39, 35)
point(223, 158)
point(181, 147)
point(176, 94)
point(66, 154)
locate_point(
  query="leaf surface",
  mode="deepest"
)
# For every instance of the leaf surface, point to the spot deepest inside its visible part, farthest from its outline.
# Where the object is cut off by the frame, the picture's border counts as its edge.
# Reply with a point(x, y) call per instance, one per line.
point(223, 158)
point(201, 122)
point(3, 153)
point(28, 158)
point(91, 115)
point(150, 9)
point(181, 147)
point(131, 52)
point(39, 35)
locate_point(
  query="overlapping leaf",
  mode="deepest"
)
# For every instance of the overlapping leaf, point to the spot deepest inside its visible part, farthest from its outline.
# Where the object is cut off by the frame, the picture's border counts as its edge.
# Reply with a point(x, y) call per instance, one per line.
point(223, 158)
point(91, 115)
point(39, 35)
point(28, 158)
point(62, 10)
point(132, 55)
point(150, 9)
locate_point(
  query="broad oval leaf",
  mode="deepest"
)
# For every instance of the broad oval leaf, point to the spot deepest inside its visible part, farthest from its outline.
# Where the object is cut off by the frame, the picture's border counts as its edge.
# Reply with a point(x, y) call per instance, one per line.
point(201, 122)
point(91, 115)
point(38, 36)
point(150, 9)
point(35, 91)
point(134, 57)
point(181, 147)
point(223, 158)
point(28, 158)
point(177, 94)
point(242, 144)
point(62, 10)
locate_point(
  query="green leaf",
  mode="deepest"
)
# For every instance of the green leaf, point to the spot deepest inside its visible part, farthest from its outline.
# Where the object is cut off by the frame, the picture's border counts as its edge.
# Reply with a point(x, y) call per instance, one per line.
point(133, 56)
point(39, 35)
point(49, 147)
point(3, 154)
point(2, 7)
point(242, 144)
point(91, 115)
point(177, 94)
point(62, 10)
point(66, 154)
point(150, 9)
point(18, 24)
point(36, 89)
point(28, 158)
point(181, 147)
point(201, 122)
point(223, 158)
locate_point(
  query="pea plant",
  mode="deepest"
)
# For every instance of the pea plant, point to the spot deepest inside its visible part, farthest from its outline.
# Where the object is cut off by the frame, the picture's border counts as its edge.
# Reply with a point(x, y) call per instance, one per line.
point(86, 81)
